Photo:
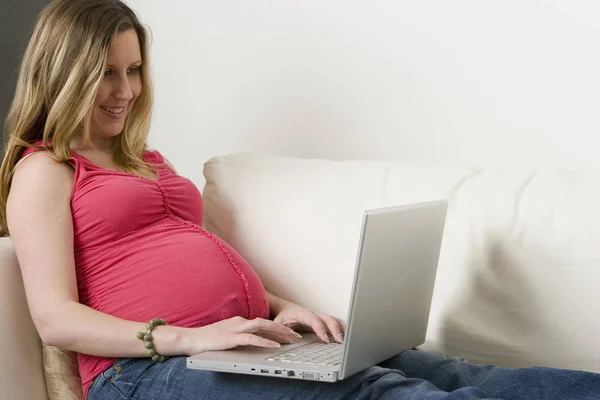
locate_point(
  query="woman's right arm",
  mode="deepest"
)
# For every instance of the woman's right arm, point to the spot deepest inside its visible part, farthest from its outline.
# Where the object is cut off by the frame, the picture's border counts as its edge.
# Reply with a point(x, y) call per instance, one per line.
point(41, 227)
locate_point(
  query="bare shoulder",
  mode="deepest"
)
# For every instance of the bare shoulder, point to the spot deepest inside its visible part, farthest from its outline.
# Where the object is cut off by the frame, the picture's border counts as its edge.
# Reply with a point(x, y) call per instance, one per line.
point(38, 172)
point(40, 195)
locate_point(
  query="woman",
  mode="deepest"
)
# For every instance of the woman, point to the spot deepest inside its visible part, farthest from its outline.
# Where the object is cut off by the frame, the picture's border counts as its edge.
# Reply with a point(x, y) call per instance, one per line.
point(117, 241)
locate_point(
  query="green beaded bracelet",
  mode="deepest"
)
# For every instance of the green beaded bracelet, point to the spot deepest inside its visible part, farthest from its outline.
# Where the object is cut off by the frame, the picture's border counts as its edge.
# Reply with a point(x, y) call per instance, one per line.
point(146, 337)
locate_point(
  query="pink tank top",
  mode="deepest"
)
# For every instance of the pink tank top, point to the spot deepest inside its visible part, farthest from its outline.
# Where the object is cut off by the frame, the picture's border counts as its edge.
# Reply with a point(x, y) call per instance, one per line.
point(141, 253)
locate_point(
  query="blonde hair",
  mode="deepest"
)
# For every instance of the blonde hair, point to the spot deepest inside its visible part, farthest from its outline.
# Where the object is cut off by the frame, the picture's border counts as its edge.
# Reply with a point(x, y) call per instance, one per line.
point(60, 74)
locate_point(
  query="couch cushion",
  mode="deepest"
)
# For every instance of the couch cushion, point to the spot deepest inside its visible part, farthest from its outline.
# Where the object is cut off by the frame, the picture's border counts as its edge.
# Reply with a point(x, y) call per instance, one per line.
point(29, 369)
point(21, 376)
point(519, 266)
point(61, 371)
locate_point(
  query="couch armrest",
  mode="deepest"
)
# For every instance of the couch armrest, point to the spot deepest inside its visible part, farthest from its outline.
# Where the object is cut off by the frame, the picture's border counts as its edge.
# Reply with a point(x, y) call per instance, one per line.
point(21, 372)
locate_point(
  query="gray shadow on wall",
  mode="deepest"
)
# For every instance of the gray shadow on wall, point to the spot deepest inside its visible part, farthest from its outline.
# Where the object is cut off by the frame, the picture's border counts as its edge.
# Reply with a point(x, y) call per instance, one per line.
point(501, 308)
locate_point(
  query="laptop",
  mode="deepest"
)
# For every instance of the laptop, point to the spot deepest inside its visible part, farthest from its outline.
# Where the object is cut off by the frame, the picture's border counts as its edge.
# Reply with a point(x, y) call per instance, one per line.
point(389, 306)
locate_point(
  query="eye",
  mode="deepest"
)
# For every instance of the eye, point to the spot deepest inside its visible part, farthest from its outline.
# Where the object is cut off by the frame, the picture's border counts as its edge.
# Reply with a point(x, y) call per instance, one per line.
point(133, 70)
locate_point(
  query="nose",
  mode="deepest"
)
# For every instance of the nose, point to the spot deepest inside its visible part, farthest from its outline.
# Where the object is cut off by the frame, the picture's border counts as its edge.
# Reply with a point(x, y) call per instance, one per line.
point(122, 89)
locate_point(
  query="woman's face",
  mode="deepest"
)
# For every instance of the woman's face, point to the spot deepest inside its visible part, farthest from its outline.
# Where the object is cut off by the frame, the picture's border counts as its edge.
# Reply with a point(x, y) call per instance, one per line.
point(120, 87)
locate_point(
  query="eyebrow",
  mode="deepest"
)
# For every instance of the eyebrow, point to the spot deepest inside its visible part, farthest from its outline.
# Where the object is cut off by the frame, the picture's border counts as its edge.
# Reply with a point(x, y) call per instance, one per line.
point(133, 63)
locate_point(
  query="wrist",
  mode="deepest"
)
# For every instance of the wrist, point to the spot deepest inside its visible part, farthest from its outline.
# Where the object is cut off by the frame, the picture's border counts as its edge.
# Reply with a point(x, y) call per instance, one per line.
point(276, 304)
point(169, 340)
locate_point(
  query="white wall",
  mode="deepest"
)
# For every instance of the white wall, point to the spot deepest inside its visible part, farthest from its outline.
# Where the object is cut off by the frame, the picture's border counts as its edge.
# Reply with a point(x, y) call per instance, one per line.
point(452, 82)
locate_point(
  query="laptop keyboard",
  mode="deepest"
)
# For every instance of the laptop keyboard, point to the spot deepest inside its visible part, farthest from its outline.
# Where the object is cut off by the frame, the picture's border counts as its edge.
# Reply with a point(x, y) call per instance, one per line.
point(317, 353)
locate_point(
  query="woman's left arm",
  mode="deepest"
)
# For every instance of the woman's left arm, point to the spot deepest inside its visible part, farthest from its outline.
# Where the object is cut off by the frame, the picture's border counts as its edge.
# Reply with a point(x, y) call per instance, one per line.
point(296, 317)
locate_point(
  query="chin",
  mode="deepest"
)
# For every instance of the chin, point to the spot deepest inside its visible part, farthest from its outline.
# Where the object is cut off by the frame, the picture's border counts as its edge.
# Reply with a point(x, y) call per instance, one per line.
point(105, 127)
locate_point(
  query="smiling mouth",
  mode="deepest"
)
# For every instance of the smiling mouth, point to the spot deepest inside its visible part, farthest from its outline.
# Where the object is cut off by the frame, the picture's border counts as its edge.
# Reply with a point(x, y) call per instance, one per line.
point(113, 110)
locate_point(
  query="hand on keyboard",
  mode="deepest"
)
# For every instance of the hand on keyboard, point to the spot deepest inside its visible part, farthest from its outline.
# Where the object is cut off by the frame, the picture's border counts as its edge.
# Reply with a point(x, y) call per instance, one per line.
point(300, 318)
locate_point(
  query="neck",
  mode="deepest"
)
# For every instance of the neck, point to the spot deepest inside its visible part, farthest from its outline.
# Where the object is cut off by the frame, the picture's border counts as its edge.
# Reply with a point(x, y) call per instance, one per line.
point(102, 144)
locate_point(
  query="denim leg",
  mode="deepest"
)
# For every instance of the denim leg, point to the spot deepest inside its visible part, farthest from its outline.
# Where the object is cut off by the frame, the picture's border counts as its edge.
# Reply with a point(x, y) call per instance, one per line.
point(411, 375)
point(447, 373)
point(143, 379)
point(451, 373)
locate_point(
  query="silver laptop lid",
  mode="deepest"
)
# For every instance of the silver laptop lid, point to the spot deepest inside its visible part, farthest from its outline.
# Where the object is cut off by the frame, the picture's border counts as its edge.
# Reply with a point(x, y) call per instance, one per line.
point(393, 283)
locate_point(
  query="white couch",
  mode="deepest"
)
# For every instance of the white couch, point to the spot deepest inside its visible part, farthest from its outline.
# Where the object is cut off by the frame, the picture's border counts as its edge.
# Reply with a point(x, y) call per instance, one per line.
point(519, 269)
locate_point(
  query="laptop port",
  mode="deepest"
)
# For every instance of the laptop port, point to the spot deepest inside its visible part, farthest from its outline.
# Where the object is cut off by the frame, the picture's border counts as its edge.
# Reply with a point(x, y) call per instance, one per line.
point(291, 373)
point(264, 371)
point(278, 372)
point(311, 375)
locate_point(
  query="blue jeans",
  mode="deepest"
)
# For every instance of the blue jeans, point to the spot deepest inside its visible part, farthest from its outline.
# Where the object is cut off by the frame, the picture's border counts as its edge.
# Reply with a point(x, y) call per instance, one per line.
point(413, 374)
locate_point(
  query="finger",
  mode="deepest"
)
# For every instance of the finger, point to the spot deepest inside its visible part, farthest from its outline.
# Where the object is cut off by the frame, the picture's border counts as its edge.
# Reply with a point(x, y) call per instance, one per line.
point(280, 329)
point(266, 325)
point(248, 339)
point(333, 326)
point(342, 325)
point(296, 326)
point(292, 324)
point(319, 327)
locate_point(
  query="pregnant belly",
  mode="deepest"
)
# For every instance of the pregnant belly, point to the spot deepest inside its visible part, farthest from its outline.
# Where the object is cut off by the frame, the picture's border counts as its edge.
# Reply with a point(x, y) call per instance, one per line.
point(189, 278)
